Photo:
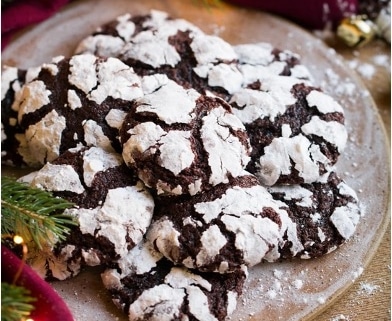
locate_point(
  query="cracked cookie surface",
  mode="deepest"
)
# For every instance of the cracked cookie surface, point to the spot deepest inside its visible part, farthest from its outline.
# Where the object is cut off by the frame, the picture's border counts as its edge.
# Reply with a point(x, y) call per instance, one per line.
point(182, 142)
point(147, 286)
point(72, 102)
point(113, 209)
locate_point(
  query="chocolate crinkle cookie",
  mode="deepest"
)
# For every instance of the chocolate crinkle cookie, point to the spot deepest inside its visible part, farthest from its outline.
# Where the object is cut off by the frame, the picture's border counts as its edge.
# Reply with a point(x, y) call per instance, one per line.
point(14, 149)
point(157, 43)
point(326, 214)
point(189, 160)
point(182, 142)
point(297, 132)
point(234, 224)
point(72, 102)
point(255, 59)
point(141, 31)
point(113, 209)
point(147, 286)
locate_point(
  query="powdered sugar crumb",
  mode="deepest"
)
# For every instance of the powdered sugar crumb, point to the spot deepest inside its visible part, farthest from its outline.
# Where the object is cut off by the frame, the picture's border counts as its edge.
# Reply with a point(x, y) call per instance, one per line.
point(357, 273)
point(217, 29)
point(341, 87)
point(367, 288)
point(298, 284)
point(366, 70)
point(340, 317)
point(382, 60)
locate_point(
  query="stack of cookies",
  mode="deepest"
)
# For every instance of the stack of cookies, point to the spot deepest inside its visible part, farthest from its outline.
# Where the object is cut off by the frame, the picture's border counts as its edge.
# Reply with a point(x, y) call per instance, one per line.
point(189, 161)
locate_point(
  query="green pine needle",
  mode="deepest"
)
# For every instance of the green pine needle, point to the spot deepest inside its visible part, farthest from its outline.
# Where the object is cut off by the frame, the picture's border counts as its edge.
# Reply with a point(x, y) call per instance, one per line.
point(15, 302)
point(34, 214)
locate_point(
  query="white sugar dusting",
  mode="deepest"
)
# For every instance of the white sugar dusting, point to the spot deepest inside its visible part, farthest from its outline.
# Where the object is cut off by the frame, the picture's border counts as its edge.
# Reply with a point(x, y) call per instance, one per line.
point(340, 317)
point(382, 60)
point(367, 288)
point(340, 87)
point(357, 273)
point(366, 70)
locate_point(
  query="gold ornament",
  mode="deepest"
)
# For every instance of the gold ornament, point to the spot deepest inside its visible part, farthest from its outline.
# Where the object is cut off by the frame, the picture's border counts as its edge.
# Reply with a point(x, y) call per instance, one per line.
point(356, 31)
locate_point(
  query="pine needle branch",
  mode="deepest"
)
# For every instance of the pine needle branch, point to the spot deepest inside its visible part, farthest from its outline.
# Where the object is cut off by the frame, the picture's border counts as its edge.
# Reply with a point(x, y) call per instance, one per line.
point(32, 213)
point(15, 302)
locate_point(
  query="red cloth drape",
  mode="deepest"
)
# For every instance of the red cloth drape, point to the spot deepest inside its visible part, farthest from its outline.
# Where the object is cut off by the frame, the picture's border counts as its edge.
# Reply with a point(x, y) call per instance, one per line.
point(312, 14)
point(22, 13)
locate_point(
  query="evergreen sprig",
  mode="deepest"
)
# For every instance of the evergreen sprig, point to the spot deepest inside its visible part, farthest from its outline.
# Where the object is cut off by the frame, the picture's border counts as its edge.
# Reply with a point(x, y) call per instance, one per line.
point(15, 302)
point(34, 214)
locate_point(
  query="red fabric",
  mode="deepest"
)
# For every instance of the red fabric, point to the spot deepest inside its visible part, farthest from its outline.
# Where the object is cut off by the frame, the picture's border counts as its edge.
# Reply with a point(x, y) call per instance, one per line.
point(22, 13)
point(312, 14)
point(49, 306)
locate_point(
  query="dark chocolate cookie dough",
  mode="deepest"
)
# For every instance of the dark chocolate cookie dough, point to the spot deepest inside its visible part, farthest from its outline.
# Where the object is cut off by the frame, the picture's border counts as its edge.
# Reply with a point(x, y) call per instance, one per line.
point(113, 209)
point(72, 101)
point(147, 286)
point(182, 142)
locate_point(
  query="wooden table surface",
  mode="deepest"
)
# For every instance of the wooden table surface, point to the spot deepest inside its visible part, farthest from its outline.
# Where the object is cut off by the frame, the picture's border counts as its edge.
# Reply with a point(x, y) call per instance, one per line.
point(369, 298)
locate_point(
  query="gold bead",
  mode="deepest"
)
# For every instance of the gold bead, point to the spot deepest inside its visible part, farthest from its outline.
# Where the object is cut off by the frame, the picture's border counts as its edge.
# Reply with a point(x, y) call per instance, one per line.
point(356, 31)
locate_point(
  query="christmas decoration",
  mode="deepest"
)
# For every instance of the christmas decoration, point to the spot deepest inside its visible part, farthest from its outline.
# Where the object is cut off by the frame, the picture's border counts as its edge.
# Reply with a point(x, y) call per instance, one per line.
point(34, 217)
point(48, 305)
point(357, 21)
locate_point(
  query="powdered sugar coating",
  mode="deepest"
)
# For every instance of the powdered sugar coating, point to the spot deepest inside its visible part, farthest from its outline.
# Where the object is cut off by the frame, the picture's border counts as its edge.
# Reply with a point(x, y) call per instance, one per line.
point(169, 101)
point(95, 136)
point(255, 54)
point(270, 101)
point(327, 213)
point(236, 223)
point(44, 137)
point(207, 63)
point(105, 45)
point(333, 132)
point(113, 208)
point(8, 77)
point(96, 79)
point(296, 131)
point(57, 178)
point(323, 102)
point(280, 154)
point(146, 286)
point(60, 266)
point(212, 49)
point(151, 46)
point(73, 101)
point(134, 37)
point(227, 153)
point(263, 60)
point(14, 149)
point(35, 96)
point(187, 143)
point(346, 218)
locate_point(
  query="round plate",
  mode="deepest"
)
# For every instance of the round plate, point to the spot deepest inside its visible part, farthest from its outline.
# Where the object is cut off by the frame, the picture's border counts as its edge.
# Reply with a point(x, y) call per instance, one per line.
point(292, 290)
